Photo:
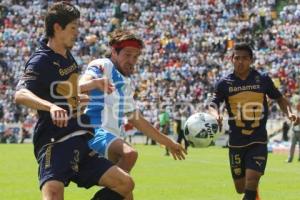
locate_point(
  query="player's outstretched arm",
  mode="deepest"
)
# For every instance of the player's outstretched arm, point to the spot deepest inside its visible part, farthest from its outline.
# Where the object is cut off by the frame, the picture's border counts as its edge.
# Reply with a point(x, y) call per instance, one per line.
point(286, 108)
point(139, 122)
point(88, 83)
point(26, 97)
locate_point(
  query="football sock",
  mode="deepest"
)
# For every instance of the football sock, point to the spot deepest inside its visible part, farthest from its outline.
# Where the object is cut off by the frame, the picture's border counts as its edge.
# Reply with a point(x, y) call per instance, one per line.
point(249, 195)
point(107, 194)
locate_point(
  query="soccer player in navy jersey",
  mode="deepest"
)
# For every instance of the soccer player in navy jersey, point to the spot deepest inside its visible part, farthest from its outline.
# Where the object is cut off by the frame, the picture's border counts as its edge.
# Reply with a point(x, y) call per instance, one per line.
point(49, 85)
point(245, 93)
point(108, 84)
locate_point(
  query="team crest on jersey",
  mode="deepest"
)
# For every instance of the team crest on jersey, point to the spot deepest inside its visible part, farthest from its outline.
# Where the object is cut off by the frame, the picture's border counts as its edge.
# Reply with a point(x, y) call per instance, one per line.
point(237, 171)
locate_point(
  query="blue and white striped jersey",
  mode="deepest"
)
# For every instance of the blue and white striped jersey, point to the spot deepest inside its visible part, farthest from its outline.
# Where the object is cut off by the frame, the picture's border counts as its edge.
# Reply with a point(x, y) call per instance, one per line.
point(107, 110)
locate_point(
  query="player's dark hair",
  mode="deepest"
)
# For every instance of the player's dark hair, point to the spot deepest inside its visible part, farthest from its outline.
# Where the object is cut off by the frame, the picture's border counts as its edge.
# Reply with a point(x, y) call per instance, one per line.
point(243, 47)
point(62, 13)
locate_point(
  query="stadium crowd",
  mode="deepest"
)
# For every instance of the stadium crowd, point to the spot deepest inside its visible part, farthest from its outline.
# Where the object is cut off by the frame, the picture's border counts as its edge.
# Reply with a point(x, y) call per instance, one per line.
point(187, 49)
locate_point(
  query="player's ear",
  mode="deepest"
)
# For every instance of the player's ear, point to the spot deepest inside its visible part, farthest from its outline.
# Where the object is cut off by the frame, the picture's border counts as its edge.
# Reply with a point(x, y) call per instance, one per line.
point(231, 57)
point(57, 27)
point(114, 52)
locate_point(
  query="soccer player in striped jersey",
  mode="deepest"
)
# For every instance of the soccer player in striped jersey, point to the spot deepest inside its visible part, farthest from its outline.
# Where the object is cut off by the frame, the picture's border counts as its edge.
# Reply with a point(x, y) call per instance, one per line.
point(245, 94)
point(108, 84)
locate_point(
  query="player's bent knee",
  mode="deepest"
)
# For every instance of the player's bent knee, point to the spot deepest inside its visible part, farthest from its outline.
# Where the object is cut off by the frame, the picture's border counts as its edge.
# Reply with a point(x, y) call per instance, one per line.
point(131, 156)
point(53, 190)
point(127, 184)
point(118, 180)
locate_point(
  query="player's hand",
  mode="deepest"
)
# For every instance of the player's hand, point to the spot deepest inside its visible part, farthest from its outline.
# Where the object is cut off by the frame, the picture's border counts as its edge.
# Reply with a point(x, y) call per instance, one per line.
point(293, 118)
point(104, 85)
point(297, 121)
point(177, 151)
point(59, 116)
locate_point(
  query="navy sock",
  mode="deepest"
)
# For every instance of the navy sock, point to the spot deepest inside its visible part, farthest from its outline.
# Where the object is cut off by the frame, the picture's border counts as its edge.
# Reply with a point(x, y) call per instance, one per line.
point(249, 195)
point(107, 194)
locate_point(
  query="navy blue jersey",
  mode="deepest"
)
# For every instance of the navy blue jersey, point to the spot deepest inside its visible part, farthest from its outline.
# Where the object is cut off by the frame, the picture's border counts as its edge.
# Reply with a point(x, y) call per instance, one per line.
point(54, 78)
point(247, 106)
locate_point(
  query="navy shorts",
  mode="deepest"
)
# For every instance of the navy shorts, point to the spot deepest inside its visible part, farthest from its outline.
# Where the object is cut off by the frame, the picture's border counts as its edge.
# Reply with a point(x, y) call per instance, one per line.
point(252, 157)
point(71, 160)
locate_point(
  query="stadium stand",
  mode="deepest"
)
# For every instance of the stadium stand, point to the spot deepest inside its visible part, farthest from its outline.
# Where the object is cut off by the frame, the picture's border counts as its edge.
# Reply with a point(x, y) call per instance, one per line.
point(188, 46)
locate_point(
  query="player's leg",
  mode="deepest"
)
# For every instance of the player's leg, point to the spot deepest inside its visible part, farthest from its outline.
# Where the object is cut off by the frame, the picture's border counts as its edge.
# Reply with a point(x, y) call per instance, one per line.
point(239, 185)
point(114, 148)
point(255, 163)
point(298, 139)
point(237, 167)
point(53, 190)
point(251, 184)
point(292, 148)
point(57, 163)
point(186, 143)
point(95, 170)
point(122, 154)
point(118, 180)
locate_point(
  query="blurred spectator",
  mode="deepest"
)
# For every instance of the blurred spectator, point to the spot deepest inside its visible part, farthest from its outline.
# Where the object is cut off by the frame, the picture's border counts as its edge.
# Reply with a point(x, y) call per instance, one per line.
point(2, 131)
point(164, 123)
point(295, 140)
point(285, 130)
point(180, 118)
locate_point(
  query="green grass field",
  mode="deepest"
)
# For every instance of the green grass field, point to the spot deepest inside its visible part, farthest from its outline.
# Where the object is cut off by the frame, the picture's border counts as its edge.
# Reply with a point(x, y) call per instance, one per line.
point(203, 175)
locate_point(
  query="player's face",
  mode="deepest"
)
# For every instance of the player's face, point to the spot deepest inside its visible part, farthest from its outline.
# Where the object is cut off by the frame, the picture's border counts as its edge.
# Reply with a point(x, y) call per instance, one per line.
point(69, 34)
point(126, 59)
point(241, 61)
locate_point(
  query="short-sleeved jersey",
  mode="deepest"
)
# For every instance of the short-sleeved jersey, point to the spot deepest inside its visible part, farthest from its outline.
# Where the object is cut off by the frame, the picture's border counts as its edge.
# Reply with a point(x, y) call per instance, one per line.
point(107, 110)
point(247, 106)
point(54, 78)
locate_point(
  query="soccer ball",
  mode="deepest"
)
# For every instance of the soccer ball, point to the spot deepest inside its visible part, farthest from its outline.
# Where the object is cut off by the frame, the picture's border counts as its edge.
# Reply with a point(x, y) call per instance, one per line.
point(201, 129)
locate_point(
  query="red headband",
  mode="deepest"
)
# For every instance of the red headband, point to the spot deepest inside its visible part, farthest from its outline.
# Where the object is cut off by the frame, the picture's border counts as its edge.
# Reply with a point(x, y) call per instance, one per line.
point(127, 43)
